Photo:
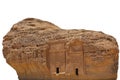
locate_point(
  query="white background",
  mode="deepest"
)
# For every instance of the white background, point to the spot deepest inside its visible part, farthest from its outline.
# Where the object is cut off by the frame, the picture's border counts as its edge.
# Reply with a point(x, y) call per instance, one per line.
point(100, 15)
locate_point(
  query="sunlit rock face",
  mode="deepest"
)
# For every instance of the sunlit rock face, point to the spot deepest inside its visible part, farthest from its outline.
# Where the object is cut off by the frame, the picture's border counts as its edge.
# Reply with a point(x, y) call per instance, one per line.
point(39, 50)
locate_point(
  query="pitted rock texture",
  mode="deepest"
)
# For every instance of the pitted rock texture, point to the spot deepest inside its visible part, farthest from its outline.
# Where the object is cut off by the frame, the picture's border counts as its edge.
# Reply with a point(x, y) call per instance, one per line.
point(39, 50)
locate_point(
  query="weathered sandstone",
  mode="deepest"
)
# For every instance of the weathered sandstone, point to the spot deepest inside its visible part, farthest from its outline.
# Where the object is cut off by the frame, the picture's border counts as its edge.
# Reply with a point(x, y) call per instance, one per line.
point(39, 50)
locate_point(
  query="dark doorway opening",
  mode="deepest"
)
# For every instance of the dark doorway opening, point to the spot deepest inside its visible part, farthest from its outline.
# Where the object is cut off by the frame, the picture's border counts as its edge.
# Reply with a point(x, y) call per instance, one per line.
point(76, 71)
point(57, 70)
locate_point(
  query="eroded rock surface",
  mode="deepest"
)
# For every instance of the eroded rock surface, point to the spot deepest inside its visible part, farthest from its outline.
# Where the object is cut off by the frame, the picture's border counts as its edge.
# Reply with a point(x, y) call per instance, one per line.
point(39, 50)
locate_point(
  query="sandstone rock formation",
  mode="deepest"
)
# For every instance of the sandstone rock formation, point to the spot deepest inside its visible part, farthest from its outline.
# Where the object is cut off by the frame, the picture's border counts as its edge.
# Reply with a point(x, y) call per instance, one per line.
point(39, 50)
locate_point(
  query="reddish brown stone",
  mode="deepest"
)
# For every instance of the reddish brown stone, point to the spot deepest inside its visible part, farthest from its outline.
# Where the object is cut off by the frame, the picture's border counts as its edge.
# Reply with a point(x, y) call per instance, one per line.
point(39, 50)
